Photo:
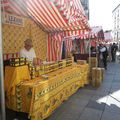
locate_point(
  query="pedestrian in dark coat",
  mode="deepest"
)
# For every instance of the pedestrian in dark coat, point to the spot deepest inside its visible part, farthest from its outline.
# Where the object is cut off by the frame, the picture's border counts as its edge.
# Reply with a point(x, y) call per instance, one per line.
point(114, 48)
point(103, 54)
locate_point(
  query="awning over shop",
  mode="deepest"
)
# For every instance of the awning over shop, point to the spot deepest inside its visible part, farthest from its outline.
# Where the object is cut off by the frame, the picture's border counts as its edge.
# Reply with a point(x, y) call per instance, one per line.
point(51, 15)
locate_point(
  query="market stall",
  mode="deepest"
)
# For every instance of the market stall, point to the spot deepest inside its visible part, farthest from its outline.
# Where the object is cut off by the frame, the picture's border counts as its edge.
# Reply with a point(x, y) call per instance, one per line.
point(90, 41)
point(47, 23)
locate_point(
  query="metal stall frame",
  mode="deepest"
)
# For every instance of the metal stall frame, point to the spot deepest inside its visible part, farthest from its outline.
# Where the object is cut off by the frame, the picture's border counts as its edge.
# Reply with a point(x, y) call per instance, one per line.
point(2, 92)
point(89, 50)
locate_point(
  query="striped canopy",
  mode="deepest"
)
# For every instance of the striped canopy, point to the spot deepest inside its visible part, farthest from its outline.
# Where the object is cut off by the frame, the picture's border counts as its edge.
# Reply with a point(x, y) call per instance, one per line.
point(51, 15)
point(95, 32)
point(108, 36)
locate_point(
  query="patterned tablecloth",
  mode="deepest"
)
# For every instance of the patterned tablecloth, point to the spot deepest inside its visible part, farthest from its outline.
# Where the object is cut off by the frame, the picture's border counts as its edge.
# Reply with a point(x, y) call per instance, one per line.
point(15, 75)
point(40, 96)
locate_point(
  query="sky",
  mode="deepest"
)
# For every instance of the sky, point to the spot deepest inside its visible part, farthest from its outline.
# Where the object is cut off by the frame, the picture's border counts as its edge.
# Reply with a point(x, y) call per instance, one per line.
point(101, 13)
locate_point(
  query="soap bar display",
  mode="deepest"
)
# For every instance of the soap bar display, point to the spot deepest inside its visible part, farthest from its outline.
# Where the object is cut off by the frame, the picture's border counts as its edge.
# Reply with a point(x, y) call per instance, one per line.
point(18, 62)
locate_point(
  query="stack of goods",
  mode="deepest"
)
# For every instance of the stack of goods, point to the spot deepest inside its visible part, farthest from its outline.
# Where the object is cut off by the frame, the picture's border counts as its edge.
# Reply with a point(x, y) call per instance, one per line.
point(96, 76)
point(18, 62)
point(18, 98)
point(69, 61)
point(93, 62)
point(46, 67)
point(37, 71)
point(32, 72)
point(81, 62)
point(85, 73)
point(62, 63)
point(42, 69)
point(53, 67)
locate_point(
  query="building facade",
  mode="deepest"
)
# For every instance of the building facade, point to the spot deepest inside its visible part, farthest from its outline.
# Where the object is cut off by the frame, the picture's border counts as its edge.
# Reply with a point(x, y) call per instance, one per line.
point(85, 4)
point(116, 24)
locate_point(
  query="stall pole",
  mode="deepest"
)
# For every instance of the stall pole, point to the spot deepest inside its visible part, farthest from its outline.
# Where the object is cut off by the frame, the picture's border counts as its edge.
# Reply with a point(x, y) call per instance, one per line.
point(2, 96)
point(89, 47)
point(98, 51)
point(89, 61)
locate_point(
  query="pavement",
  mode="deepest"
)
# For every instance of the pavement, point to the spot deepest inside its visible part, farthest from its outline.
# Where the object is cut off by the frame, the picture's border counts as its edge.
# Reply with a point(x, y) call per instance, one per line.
point(89, 103)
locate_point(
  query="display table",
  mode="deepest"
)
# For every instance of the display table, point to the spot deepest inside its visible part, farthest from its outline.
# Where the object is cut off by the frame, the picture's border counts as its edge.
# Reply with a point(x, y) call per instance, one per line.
point(40, 97)
point(13, 76)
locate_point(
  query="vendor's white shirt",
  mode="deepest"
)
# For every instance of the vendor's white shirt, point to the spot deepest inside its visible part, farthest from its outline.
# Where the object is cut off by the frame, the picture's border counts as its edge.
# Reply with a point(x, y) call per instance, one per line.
point(28, 54)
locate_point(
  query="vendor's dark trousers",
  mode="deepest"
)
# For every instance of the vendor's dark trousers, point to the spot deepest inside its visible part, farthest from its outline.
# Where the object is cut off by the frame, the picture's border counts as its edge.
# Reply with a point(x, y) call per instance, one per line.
point(75, 58)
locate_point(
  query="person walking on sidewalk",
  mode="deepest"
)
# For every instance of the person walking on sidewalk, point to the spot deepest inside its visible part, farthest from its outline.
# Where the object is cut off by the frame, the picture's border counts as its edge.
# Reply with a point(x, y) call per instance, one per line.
point(114, 48)
point(103, 54)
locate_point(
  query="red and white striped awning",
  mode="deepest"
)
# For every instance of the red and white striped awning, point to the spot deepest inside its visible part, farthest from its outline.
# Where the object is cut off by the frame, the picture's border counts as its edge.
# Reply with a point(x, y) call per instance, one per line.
point(96, 32)
point(51, 15)
point(108, 36)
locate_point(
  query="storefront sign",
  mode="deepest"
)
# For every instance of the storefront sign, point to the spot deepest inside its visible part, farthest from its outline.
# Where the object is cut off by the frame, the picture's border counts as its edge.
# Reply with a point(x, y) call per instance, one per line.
point(13, 20)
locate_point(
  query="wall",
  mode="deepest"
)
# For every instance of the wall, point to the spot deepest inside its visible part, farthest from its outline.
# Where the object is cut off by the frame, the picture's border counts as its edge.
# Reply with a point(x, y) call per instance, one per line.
point(14, 37)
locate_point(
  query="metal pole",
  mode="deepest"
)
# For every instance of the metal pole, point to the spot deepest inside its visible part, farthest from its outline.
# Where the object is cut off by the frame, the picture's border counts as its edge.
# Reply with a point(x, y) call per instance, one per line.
point(2, 96)
point(89, 61)
point(89, 47)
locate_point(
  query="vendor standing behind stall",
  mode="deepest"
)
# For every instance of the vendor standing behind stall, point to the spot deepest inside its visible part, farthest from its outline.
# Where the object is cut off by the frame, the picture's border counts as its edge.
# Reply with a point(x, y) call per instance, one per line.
point(28, 51)
point(74, 51)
